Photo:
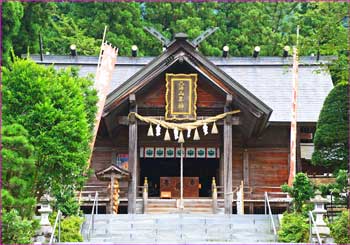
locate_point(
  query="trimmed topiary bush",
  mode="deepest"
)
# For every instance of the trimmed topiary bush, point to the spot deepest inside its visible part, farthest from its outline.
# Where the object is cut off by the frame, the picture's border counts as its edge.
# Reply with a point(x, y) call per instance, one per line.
point(331, 137)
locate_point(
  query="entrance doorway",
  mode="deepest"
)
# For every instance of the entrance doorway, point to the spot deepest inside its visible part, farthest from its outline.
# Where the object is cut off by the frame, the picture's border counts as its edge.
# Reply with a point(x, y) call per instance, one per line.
point(154, 169)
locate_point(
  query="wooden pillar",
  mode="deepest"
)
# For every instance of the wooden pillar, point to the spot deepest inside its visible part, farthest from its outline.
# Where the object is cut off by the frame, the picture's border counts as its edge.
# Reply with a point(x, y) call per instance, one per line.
point(221, 168)
point(111, 194)
point(246, 167)
point(299, 167)
point(228, 158)
point(133, 161)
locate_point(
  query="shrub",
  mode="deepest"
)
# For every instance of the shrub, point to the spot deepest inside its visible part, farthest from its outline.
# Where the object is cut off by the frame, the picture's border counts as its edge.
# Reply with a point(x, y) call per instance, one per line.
point(336, 188)
point(339, 229)
point(70, 228)
point(294, 228)
point(301, 191)
point(15, 229)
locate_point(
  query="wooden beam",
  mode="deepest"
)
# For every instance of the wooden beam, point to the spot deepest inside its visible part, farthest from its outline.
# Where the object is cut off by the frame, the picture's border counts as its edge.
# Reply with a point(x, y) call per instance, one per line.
point(228, 158)
point(246, 167)
point(132, 190)
point(229, 100)
point(123, 120)
point(109, 127)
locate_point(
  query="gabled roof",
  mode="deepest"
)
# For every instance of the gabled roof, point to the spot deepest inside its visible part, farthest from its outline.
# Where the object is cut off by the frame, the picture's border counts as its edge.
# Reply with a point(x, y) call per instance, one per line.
point(112, 170)
point(268, 78)
point(183, 50)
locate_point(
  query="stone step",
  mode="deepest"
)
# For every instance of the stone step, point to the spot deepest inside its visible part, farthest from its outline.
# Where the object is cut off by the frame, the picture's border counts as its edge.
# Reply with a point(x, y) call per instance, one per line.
point(180, 228)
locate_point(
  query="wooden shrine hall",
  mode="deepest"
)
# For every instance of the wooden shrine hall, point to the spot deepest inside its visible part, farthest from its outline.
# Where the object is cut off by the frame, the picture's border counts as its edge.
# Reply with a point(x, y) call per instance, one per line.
point(223, 122)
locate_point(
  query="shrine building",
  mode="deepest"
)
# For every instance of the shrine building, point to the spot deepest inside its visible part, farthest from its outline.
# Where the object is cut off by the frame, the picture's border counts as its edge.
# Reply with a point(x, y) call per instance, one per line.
point(239, 109)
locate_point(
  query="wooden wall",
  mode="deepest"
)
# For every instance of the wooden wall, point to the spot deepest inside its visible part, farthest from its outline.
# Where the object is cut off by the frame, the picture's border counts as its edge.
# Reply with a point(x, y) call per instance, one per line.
point(264, 167)
point(100, 160)
point(268, 167)
point(237, 167)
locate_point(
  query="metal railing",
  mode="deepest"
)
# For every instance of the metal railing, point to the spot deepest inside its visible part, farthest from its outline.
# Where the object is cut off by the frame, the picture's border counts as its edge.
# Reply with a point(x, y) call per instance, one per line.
point(268, 209)
point(57, 221)
point(313, 224)
point(92, 217)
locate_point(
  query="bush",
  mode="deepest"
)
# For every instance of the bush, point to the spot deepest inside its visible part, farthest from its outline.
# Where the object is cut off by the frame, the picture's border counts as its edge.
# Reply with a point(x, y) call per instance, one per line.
point(339, 229)
point(70, 228)
point(16, 230)
point(294, 228)
point(301, 191)
point(331, 136)
point(336, 188)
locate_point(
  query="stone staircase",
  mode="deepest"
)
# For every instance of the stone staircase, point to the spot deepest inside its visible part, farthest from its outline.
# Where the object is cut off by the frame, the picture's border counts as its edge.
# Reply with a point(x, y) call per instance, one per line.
point(161, 206)
point(179, 228)
point(168, 206)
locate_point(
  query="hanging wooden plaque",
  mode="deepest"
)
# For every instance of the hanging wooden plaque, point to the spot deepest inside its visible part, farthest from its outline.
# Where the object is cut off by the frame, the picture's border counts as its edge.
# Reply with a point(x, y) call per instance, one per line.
point(181, 97)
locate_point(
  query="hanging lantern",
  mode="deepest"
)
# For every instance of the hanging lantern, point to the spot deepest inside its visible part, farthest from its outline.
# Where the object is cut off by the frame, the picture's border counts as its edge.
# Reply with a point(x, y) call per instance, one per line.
point(158, 129)
point(214, 129)
point(188, 133)
point(205, 129)
point(196, 135)
point(181, 138)
point(167, 135)
point(150, 130)
point(176, 133)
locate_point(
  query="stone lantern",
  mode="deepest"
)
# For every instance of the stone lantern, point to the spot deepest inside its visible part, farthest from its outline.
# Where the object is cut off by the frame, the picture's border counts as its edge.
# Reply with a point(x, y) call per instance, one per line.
point(44, 234)
point(319, 211)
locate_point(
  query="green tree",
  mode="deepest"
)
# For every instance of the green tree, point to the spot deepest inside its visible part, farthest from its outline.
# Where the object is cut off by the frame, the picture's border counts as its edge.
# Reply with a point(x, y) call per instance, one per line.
point(57, 108)
point(64, 32)
point(17, 230)
point(12, 13)
point(17, 171)
point(331, 137)
point(301, 191)
point(35, 20)
point(322, 31)
point(124, 21)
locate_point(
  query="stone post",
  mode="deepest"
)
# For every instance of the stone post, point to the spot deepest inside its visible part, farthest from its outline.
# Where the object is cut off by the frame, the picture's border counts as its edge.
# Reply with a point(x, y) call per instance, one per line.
point(145, 195)
point(319, 211)
point(214, 195)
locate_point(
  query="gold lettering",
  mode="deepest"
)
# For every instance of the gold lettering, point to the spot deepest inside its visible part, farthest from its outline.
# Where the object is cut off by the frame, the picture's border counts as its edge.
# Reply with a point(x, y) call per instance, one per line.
point(181, 106)
point(181, 95)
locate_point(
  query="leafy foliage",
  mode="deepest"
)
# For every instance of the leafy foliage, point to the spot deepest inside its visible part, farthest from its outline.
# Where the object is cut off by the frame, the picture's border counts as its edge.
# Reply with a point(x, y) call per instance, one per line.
point(34, 21)
point(70, 227)
point(57, 108)
point(301, 191)
point(294, 229)
point(336, 188)
point(331, 137)
point(12, 13)
point(17, 230)
point(241, 26)
point(339, 229)
point(17, 171)
point(65, 32)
